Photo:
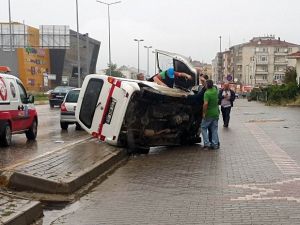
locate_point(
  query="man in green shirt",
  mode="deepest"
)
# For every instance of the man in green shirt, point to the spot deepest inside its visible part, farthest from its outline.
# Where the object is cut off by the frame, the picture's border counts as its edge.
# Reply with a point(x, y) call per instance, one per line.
point(210, 116)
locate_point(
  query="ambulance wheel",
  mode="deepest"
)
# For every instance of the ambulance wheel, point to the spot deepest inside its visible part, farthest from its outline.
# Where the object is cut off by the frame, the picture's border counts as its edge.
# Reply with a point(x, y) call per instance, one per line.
point(32, 132)
point(143, 150)
point(78, 127)
point(5, 136)
point(64, 125)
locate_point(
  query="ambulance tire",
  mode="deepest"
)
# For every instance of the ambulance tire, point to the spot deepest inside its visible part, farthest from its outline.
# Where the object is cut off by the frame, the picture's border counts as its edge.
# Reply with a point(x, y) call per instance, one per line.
point(64, 125)
point(32, 132)
point(5, 136)
point(78, 127)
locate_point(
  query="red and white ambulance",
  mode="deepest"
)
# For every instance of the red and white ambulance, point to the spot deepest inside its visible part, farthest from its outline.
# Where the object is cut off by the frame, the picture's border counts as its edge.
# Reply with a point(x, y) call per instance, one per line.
point(17, 112)
point(141, 114)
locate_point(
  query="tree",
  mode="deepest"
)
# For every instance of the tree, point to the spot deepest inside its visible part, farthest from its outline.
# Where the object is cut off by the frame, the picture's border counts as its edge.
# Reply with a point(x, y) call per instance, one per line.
point(290, 75)
point(114, 71)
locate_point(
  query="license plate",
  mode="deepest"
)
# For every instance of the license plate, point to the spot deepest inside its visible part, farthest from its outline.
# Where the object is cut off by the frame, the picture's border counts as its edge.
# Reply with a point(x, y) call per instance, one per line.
point(110, 111)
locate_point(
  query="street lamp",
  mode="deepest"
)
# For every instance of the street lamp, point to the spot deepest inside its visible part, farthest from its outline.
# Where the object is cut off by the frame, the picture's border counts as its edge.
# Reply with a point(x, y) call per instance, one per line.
point(138, 41)
point(10, 29)
point(78, 47)
point(220, 37)
point(148, 47)
point(155, 61)
point(109, 51)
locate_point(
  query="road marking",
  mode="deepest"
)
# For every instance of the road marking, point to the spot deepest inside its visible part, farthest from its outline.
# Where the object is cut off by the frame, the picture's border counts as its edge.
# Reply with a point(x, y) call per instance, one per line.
point(287, 190)
point(280, 158)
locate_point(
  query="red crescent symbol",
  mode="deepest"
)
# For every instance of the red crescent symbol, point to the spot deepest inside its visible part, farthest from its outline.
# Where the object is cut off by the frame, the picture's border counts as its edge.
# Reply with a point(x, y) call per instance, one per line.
point(3, 90)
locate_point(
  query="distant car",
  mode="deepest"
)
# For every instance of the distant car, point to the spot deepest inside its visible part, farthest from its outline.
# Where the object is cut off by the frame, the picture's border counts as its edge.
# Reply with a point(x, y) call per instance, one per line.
point(48, 92)
point(56, 97)
point(236, 95)
point(67, 109)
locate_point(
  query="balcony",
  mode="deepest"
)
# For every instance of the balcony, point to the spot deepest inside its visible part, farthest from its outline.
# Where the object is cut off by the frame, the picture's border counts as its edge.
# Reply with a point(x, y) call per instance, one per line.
point(259, 62)
point(281, 53)
point(261, 53)
point(281, 62)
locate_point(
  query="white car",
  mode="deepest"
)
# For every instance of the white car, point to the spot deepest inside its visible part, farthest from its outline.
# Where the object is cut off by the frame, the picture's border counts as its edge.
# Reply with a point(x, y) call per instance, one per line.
point(141, 114)
point(67, 109)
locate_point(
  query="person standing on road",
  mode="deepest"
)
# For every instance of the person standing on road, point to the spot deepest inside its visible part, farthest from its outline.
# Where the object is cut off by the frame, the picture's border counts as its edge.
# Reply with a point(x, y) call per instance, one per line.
point(226, 98)
point(198, 99)
point(210, 116)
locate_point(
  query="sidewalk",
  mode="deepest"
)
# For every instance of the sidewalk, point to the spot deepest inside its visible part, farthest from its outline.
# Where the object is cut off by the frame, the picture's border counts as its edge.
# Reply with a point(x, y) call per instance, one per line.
point(18, 211)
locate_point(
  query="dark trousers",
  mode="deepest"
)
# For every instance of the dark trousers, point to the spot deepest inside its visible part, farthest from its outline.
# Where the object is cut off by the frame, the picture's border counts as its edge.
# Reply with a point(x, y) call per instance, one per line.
point(226, 115)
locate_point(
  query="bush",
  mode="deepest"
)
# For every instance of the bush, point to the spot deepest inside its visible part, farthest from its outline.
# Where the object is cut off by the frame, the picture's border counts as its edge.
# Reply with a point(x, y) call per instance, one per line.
point(275, 93)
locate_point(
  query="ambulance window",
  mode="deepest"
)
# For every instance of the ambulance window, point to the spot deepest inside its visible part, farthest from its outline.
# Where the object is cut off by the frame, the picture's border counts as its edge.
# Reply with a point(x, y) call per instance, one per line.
point(13, 90)
point(22, 91)
point(89, 102)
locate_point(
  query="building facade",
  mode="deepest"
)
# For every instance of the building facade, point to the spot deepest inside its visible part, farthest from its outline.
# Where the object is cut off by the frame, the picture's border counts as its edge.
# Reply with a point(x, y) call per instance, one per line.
point(64, 61)
point(29, 63)
point(42, 67)
point(262, 60)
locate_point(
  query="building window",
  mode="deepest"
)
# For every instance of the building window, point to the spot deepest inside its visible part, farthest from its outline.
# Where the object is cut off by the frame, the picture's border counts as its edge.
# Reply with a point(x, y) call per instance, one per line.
point(290, 50)
point(264, 77)
point(279, 77)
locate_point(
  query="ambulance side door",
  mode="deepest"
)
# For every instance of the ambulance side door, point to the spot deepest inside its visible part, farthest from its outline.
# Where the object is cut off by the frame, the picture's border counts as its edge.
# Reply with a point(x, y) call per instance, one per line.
point(14, 103)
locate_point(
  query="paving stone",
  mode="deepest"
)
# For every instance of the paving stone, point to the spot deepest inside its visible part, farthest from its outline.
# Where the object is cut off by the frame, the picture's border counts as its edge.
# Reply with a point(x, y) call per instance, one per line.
point(241, 183)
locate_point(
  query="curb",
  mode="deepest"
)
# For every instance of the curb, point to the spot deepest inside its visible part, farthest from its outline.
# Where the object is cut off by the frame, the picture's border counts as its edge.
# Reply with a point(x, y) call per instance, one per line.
point(27, 214)
point(21, 180)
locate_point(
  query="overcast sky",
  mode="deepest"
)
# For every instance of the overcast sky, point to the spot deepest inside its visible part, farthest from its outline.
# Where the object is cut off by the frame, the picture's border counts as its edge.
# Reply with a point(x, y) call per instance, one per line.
point(188, 27)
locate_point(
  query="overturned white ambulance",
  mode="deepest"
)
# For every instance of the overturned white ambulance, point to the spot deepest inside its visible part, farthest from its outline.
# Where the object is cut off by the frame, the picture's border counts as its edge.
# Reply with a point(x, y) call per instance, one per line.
point(141, 114)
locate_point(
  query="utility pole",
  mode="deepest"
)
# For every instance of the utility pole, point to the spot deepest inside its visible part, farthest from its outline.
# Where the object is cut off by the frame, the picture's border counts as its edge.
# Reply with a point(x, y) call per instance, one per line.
point(148, 47)
point(78, 47)
point(138, 41)
point(220, 43)
point(108, 14)
point(10, 35)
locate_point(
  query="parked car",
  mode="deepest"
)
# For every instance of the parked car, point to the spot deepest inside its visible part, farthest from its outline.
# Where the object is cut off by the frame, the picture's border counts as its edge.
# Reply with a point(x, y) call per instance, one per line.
point(67, 109)
point(17, 112)
point(48, 92)
point(141, 114)
point(57, 96)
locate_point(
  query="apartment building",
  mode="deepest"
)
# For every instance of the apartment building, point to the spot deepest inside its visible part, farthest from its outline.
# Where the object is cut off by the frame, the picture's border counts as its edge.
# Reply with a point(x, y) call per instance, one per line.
point(262, 60)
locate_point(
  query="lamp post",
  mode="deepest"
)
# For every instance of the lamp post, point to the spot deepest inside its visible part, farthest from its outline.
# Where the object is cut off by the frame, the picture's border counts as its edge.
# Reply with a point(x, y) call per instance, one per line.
point(78, 47)
point(155, 61)
point(220, 37)
point(10, 29)
point(147, 47)
point(138, 41)
point(10, 34)
point(109, 50)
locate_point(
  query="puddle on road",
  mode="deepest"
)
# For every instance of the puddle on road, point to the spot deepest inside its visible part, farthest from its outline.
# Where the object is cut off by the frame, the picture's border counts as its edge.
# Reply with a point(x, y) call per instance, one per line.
point(54, 212)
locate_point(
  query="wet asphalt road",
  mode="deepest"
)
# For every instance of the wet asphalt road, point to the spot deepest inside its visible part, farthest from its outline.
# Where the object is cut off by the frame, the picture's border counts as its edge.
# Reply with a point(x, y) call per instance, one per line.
point(50, 138)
